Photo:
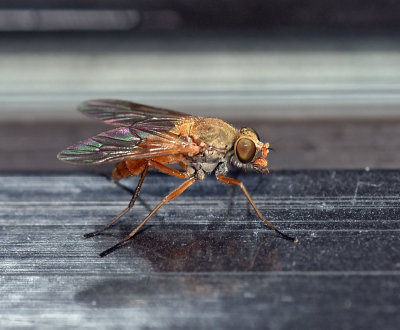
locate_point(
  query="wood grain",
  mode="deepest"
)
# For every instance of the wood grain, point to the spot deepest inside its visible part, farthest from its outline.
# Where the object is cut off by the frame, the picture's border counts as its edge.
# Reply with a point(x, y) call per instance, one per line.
point(205, 261)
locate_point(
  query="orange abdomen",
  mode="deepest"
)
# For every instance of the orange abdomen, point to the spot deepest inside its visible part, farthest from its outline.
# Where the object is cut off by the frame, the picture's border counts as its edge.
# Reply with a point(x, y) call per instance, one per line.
point(128, 168)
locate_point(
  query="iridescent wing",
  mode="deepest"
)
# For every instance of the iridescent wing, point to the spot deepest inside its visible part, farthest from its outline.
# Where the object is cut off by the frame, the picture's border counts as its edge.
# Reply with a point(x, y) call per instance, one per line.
point(125, 113)
point(145, 133)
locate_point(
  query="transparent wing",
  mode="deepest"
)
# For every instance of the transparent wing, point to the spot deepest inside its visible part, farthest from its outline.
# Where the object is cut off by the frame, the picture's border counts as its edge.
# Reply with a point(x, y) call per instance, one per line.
point(125, 113)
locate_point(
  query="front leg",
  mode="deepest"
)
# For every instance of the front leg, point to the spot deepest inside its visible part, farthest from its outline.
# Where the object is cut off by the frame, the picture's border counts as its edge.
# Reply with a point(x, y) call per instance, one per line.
point(235, 182)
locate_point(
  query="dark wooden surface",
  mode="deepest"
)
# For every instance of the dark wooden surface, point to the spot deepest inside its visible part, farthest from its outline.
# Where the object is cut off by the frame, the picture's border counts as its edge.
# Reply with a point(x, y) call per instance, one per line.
point(205, 261)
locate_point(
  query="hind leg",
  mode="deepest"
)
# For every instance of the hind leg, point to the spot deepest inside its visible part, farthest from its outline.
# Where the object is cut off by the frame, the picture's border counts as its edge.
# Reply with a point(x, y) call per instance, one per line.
point(130, 168)
point(123, 212)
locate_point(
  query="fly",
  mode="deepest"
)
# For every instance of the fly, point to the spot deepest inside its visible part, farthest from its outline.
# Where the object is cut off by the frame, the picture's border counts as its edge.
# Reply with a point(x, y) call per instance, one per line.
point(147, 137)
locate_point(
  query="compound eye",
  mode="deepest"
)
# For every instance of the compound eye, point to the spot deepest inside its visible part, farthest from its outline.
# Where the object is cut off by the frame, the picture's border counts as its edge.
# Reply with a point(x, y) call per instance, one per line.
point(245, 150)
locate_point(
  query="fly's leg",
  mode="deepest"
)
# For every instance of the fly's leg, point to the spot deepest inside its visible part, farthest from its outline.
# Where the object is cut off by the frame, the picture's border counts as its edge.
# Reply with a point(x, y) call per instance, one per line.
point(151, 163)
point(232, 181)
point(178, 191)
point(167, 170)
point(131, 203)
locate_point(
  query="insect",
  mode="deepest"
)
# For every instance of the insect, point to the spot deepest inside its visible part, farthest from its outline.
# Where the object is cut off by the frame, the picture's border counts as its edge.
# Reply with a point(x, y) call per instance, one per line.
point(148, 137)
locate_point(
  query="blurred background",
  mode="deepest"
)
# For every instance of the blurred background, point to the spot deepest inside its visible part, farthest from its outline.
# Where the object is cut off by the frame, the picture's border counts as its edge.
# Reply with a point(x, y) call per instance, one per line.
point(319, 80)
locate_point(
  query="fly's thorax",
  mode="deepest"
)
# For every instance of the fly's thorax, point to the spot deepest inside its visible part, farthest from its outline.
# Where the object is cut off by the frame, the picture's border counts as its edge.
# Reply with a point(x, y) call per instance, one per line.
point(216, 139)
point(214, 133)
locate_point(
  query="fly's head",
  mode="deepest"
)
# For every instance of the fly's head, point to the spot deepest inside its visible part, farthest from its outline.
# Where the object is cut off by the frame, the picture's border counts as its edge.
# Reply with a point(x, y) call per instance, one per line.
point(246, 148)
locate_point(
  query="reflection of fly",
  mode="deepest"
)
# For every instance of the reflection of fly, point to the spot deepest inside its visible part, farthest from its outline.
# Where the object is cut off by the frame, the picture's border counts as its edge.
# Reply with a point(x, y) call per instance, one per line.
point(148, 137)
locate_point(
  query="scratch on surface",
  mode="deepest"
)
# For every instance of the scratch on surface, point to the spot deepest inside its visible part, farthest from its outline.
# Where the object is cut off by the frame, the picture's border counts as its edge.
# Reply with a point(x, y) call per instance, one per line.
point(358, 185)
point(253, 259)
